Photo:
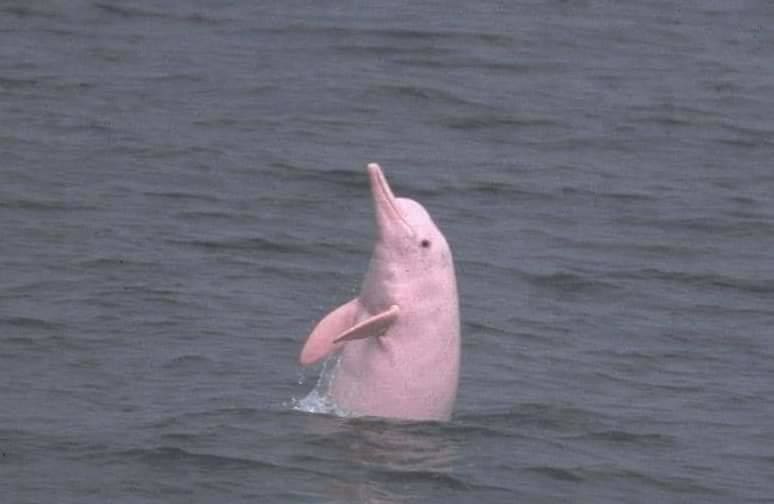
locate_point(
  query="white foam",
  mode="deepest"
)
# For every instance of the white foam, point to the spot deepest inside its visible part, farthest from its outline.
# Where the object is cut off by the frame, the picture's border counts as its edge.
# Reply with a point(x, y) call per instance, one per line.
point(318, 400)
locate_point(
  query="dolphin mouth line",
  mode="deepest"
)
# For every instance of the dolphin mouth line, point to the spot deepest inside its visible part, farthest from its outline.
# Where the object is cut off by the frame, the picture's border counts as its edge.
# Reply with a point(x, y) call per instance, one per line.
point(385, 191)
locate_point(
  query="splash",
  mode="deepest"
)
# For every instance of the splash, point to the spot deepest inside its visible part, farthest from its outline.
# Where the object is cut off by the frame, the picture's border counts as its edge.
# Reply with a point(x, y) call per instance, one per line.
point(318, 400)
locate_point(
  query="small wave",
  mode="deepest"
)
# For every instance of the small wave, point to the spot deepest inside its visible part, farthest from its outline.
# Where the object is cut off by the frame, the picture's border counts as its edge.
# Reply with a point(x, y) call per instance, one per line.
point(703, 280)
point(205, 416)
point(125, 11)
point(747, 135)
point(606, 473)
point(187, 361)
point(439, 480)
point(168, 454)
point(128, 12)
point(506, 190)
point(566, 283)
point(557, 473)
point(114, 262)
point(9, 83)
point(490, 426)
point(182, 196)
point(398, 35)
point(260, 244)
point(483, 66)
point(40, 205)
point(560, 417)
point(424, 94)
point(25, 11)
point(216, 215)
point(382, 50)
point(498, 120)
point(33, 323)
point(624, 437)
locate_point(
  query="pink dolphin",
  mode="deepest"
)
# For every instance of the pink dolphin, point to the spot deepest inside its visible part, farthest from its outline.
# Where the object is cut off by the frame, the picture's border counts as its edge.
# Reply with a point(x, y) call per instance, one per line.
point(400, 338)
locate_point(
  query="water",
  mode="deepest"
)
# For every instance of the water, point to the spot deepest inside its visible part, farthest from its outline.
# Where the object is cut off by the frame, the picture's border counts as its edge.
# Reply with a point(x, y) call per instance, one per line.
point(183, 195)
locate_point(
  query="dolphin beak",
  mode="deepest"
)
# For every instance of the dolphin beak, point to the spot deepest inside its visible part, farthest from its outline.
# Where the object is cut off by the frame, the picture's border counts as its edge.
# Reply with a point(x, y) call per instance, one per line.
point(389, 220)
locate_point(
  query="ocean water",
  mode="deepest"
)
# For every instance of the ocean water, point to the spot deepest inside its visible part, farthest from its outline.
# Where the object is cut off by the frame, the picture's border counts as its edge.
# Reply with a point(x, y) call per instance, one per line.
point(183, 195)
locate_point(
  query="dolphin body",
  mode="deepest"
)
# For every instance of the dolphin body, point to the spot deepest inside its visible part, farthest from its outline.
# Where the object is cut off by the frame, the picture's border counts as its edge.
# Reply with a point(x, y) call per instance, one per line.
point(399, 339)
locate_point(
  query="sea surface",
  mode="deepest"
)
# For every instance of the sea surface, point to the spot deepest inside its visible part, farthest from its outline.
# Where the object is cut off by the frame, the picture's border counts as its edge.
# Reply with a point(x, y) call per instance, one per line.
point(183, 194)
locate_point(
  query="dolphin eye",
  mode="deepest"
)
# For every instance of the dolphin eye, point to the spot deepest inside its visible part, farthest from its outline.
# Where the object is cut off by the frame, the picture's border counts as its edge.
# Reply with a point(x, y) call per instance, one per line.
point(425, 243)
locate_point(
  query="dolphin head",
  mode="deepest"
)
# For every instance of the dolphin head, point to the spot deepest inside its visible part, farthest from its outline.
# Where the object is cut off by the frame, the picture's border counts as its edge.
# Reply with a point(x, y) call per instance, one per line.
point(409, 246)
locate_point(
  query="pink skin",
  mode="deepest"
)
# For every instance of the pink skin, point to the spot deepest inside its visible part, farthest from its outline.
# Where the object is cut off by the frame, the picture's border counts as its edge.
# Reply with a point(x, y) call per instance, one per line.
point(400, 338)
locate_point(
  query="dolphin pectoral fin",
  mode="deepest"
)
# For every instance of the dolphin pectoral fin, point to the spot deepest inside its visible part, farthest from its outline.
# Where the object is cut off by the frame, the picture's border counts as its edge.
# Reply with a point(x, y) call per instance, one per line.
point(372, 326)
point(321, 341)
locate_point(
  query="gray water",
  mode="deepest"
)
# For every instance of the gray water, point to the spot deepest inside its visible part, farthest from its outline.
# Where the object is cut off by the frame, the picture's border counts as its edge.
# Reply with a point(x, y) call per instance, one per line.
point(183, 195)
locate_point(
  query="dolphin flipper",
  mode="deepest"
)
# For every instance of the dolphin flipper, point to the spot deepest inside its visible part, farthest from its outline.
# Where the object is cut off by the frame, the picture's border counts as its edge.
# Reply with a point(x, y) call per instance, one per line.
point(337, 327)
point(321, 341)
point(372, 326)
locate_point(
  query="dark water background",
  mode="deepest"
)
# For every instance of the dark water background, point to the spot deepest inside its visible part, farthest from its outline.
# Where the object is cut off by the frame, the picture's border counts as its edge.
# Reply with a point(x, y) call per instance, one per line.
point(183, 194)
